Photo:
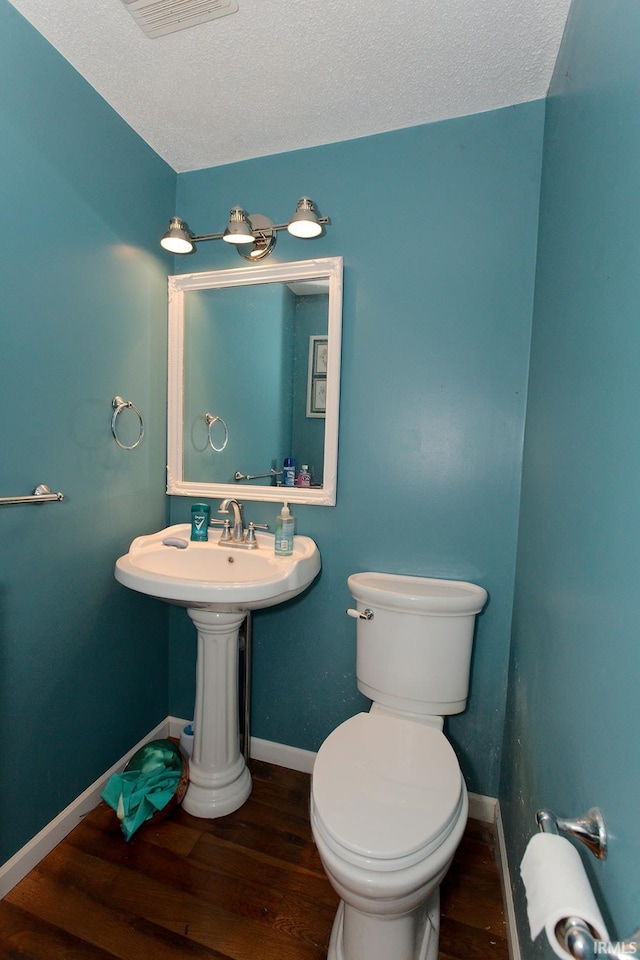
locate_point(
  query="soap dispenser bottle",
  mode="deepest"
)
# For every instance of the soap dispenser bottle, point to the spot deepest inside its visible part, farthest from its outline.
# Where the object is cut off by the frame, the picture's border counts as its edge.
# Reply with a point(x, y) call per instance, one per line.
point(304, 477)
point(285, 524)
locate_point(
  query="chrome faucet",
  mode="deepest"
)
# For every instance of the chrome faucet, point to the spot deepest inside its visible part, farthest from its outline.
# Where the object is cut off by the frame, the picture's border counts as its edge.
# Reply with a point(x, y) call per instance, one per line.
point(238, 523)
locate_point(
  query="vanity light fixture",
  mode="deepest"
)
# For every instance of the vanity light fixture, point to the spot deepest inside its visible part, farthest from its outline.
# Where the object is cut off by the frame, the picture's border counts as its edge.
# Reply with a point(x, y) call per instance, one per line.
point(248, 229)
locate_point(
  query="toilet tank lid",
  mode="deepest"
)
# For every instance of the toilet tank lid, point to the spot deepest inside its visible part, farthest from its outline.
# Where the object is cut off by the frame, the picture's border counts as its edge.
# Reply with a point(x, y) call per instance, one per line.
point(386, 787)
point(425, 595)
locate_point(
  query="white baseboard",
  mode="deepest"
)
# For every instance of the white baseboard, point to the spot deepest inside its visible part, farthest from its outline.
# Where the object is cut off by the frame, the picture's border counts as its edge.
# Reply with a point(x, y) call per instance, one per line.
point(176, 726)
point(50, 836)
point(279, 754)
point(482, 808)
point(507, 893)
point(283, 756)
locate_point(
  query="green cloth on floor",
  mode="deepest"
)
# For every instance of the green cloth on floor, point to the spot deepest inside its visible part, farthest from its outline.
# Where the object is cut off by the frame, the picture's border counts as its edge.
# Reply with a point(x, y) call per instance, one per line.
point(147, 785)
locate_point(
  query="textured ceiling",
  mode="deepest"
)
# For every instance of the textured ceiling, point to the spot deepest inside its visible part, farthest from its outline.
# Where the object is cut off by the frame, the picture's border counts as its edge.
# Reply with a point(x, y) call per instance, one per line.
point(284, 74)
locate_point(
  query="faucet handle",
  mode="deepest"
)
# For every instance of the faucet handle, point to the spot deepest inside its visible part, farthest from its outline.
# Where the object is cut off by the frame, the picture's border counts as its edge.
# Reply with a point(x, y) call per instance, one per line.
point(225, 536)
point(226, 528)
point(250, 538)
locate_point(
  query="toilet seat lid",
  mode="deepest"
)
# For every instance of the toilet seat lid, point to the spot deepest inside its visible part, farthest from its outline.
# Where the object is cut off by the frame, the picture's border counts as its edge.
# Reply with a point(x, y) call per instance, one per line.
point(385, 787)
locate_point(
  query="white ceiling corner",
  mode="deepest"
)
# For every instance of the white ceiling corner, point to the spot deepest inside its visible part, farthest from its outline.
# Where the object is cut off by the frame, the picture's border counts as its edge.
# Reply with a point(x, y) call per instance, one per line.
point(280, 75)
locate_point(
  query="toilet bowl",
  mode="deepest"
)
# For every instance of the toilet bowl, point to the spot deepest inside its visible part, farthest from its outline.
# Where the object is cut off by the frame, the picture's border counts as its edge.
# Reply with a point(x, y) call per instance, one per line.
point(388, 810)
point(388, 801)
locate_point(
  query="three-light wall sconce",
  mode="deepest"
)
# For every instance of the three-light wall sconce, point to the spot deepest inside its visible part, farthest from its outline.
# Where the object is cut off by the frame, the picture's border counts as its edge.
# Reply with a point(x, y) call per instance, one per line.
point(254, 235)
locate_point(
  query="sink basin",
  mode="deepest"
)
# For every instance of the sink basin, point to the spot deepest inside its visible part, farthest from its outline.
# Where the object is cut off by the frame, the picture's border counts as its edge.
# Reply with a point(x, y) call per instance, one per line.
point(214, 576)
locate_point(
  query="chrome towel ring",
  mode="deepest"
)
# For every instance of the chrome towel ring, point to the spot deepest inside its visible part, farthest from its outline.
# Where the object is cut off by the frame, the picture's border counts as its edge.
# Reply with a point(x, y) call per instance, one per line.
point(210, 420)
point(119, 405)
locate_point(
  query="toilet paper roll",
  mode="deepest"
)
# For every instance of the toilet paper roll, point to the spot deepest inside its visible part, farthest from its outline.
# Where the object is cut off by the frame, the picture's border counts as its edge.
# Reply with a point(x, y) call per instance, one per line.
point(557, 887)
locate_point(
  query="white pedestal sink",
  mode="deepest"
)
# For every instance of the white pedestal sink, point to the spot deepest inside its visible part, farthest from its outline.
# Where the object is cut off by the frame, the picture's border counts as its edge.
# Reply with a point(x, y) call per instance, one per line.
point(218, 585)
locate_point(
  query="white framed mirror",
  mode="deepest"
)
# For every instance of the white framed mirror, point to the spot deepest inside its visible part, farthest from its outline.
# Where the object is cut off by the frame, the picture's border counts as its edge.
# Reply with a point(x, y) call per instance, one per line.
point(254, 378)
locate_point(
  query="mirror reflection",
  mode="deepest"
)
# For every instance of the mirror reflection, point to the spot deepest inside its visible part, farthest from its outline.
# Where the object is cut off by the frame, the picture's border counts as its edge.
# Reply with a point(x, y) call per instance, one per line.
point(246, 363)
point(254, 382)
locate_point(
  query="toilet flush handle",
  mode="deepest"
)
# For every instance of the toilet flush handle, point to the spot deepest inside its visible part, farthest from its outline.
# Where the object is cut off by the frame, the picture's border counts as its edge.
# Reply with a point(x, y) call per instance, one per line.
point(358, 615)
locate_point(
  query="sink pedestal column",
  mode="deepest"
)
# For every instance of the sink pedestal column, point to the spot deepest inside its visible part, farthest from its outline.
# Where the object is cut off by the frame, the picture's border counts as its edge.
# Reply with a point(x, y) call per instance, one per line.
point(219, 781)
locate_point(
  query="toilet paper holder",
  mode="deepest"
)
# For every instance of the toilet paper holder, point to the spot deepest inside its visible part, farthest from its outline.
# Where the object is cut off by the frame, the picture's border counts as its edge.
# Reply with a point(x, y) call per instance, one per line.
point(577, 938)
point(589, 829)
point(573, 933)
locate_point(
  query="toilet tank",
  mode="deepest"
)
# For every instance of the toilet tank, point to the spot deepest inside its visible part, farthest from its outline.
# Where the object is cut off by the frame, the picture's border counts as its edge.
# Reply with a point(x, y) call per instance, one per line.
point(414, 642)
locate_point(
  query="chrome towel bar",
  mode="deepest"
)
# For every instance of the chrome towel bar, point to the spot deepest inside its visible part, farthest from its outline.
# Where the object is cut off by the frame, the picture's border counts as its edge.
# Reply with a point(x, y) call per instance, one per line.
point(41, 494)
point(256, 476)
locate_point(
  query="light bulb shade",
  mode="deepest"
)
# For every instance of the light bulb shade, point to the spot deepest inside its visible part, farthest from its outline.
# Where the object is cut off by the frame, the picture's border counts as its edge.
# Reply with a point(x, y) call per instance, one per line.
point(177, 239)
point(304, 223)
point(238, 229)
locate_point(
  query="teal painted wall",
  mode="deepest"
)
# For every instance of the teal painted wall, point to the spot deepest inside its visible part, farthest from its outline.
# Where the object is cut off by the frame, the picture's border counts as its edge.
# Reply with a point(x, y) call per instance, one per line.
point(435, 355)
point(83, 662)
point(573, 721)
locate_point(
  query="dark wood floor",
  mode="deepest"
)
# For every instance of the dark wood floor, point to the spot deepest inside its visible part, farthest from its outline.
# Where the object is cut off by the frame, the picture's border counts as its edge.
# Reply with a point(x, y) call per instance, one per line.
point(249, 886)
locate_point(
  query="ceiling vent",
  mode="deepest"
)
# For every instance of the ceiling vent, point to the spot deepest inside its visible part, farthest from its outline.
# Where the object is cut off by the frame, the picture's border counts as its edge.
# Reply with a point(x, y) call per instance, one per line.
point(159, 17)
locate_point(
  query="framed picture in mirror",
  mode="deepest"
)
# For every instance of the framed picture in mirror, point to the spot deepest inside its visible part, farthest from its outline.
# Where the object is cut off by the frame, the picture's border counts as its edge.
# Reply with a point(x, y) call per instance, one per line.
point(317, 382)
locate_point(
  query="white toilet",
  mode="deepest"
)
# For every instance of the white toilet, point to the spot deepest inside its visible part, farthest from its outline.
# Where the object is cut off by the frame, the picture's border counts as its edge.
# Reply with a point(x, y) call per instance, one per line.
point(388, 801)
